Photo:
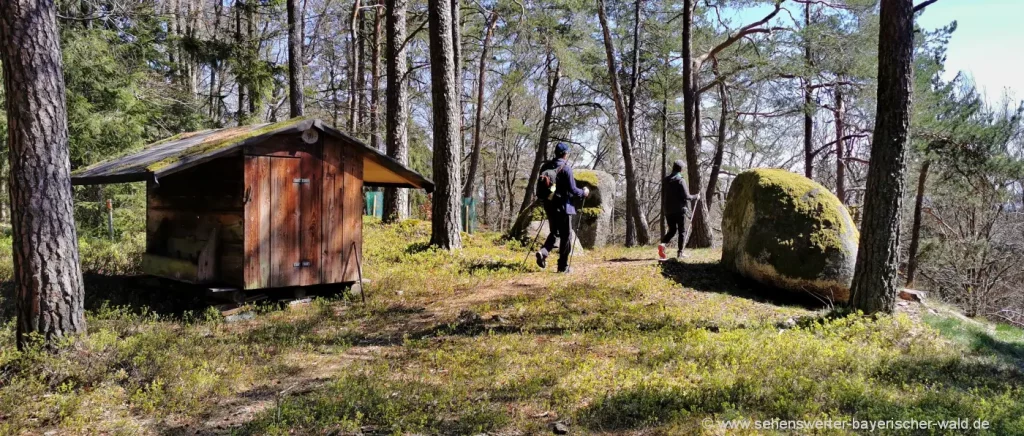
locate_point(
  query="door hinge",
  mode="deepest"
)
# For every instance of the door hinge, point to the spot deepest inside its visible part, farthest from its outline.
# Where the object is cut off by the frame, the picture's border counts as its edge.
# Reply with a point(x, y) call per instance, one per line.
point(301, 181)
point(302, 264)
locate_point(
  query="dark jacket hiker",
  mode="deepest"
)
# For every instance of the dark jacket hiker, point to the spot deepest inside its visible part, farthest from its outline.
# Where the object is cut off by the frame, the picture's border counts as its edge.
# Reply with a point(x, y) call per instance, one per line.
point(558, 206)
point(566, 191)
point(676, 200)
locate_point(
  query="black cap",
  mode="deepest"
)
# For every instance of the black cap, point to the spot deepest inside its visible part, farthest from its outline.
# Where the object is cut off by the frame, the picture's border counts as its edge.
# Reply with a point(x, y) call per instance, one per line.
point(677, 166)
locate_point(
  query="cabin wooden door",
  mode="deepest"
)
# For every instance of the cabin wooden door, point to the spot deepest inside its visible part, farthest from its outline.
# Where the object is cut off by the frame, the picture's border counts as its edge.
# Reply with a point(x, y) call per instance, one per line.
point(285, 221)
point(284, 211)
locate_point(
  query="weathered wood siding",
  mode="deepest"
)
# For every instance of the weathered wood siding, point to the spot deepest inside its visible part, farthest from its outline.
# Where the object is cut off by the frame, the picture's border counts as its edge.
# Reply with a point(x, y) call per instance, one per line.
point(352, 220)
point(342, 211)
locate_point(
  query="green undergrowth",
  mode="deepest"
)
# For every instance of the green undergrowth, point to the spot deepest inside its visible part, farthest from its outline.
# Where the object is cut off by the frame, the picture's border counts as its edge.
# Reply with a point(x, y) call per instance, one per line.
point(477, 341)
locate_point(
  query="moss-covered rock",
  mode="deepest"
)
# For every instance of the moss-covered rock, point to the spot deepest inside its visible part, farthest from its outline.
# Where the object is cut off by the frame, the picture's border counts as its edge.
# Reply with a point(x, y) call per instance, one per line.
point(595, 212)
point(785, 230)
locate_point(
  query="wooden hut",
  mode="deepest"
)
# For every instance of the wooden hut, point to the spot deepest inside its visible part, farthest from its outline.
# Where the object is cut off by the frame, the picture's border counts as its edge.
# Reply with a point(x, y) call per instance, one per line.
point(253, 207)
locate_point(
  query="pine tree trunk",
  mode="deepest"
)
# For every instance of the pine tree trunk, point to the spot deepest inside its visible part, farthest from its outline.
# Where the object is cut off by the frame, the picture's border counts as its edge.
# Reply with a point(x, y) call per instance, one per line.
point(545, 132)
point(355, 69)
point(700, 233)
point(875, 280)
point(474, 159)
point(396, 200)
point(375, 79)
point(447, 124)
point(808, 103)
point(641, 229)
point(716, 161)
point(296, 105)
point(915, 231)
point(840, 147)
point(664, 159)
point(240, 43)
point(456, 8)
point(47, 275)
point(253, 47)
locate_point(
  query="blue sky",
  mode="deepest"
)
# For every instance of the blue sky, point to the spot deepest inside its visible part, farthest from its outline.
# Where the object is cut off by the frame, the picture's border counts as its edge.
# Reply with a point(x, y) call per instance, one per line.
point(988, 43)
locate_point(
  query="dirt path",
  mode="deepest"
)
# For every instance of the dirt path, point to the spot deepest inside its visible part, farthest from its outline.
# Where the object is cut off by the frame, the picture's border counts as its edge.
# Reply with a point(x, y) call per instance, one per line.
point(309, 370)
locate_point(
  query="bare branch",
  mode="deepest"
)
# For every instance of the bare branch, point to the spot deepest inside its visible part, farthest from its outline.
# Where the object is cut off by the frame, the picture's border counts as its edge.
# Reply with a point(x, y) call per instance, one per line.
point(920, 7)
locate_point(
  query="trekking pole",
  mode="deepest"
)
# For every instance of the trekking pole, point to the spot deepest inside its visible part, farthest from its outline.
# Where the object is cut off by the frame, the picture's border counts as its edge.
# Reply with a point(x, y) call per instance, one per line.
point(575, 235)
point(572, 244)
point(529, 250)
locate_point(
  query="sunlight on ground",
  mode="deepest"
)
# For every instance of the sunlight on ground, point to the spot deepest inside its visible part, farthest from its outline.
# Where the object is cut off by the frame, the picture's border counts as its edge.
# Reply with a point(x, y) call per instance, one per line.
point(481, 341)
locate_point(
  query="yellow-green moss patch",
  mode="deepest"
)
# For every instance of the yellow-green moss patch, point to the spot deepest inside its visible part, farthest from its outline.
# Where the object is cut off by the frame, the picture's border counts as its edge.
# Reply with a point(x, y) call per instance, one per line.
point(586, 177)
point(780, 224)
point(220, 140)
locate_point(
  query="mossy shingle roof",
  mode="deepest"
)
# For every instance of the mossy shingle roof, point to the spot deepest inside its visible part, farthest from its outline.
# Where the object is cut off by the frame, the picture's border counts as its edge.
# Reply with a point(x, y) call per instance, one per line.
point(187, 150)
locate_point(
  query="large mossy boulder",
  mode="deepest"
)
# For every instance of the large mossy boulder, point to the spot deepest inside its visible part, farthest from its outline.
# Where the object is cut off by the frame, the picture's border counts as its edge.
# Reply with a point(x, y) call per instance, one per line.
point(784, 230)
point(596, 225)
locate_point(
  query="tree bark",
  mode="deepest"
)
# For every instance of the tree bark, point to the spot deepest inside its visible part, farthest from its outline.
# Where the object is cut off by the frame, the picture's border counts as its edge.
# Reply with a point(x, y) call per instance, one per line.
point(700, 234)
point(445, 220)
point(664, 159)
point(808, 101)
point(915, 231)
point(296, 104)
point(240, 43)
point(634, 73)
point(375, 79)
point(474, 159)
point(840, 147)
point(456, 9)
point(545, 132)
point(396, 200)
point(253, 45)
point(716, 162)
point(356, 69)
point(361, 68)
point(632, 195)
point(875, 280)
point(47, 275)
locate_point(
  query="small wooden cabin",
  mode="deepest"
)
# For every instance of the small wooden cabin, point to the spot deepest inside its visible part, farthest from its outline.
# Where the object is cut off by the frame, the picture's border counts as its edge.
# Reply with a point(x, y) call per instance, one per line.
point(253, 207)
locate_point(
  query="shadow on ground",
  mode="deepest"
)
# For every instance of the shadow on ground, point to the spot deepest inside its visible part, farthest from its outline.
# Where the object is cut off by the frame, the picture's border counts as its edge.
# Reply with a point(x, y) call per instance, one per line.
point(711, 277)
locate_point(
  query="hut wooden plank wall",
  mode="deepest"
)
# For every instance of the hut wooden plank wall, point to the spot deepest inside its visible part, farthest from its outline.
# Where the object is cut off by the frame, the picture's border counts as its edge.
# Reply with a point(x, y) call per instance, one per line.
point(255, 207)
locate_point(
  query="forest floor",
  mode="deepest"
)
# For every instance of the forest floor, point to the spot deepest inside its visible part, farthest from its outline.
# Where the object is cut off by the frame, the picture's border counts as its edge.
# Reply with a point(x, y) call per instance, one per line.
point(482, 342)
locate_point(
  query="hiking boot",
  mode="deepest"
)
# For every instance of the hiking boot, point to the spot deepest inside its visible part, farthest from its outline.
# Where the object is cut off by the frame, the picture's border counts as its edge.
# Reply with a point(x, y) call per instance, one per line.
point(681, 255)
point(542, 260)
point(661, 252)
point(565, 270)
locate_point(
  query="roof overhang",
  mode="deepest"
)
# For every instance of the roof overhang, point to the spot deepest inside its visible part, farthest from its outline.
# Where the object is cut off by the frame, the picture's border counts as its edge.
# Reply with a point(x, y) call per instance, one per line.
point(187, 150)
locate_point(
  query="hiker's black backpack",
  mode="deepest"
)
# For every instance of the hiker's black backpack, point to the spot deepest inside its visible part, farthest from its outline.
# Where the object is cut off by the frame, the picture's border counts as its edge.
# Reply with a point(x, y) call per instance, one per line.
point(546, 182)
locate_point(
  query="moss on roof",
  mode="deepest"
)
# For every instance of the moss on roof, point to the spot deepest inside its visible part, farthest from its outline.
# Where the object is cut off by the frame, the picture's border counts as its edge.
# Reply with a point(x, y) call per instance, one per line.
point(221, 140)
point(173, 138)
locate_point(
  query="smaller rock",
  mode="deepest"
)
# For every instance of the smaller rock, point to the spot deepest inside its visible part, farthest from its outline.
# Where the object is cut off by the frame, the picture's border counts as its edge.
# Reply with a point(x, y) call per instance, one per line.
point(241, 316)
point(468, 317)
point(912, 295)
point(787, 324)
point(559, 428)
point(903, 304)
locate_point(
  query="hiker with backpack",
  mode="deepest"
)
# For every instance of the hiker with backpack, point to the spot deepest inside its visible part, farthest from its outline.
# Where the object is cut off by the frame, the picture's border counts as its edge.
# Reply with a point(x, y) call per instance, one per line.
point(556, 187)
point(676, 198)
